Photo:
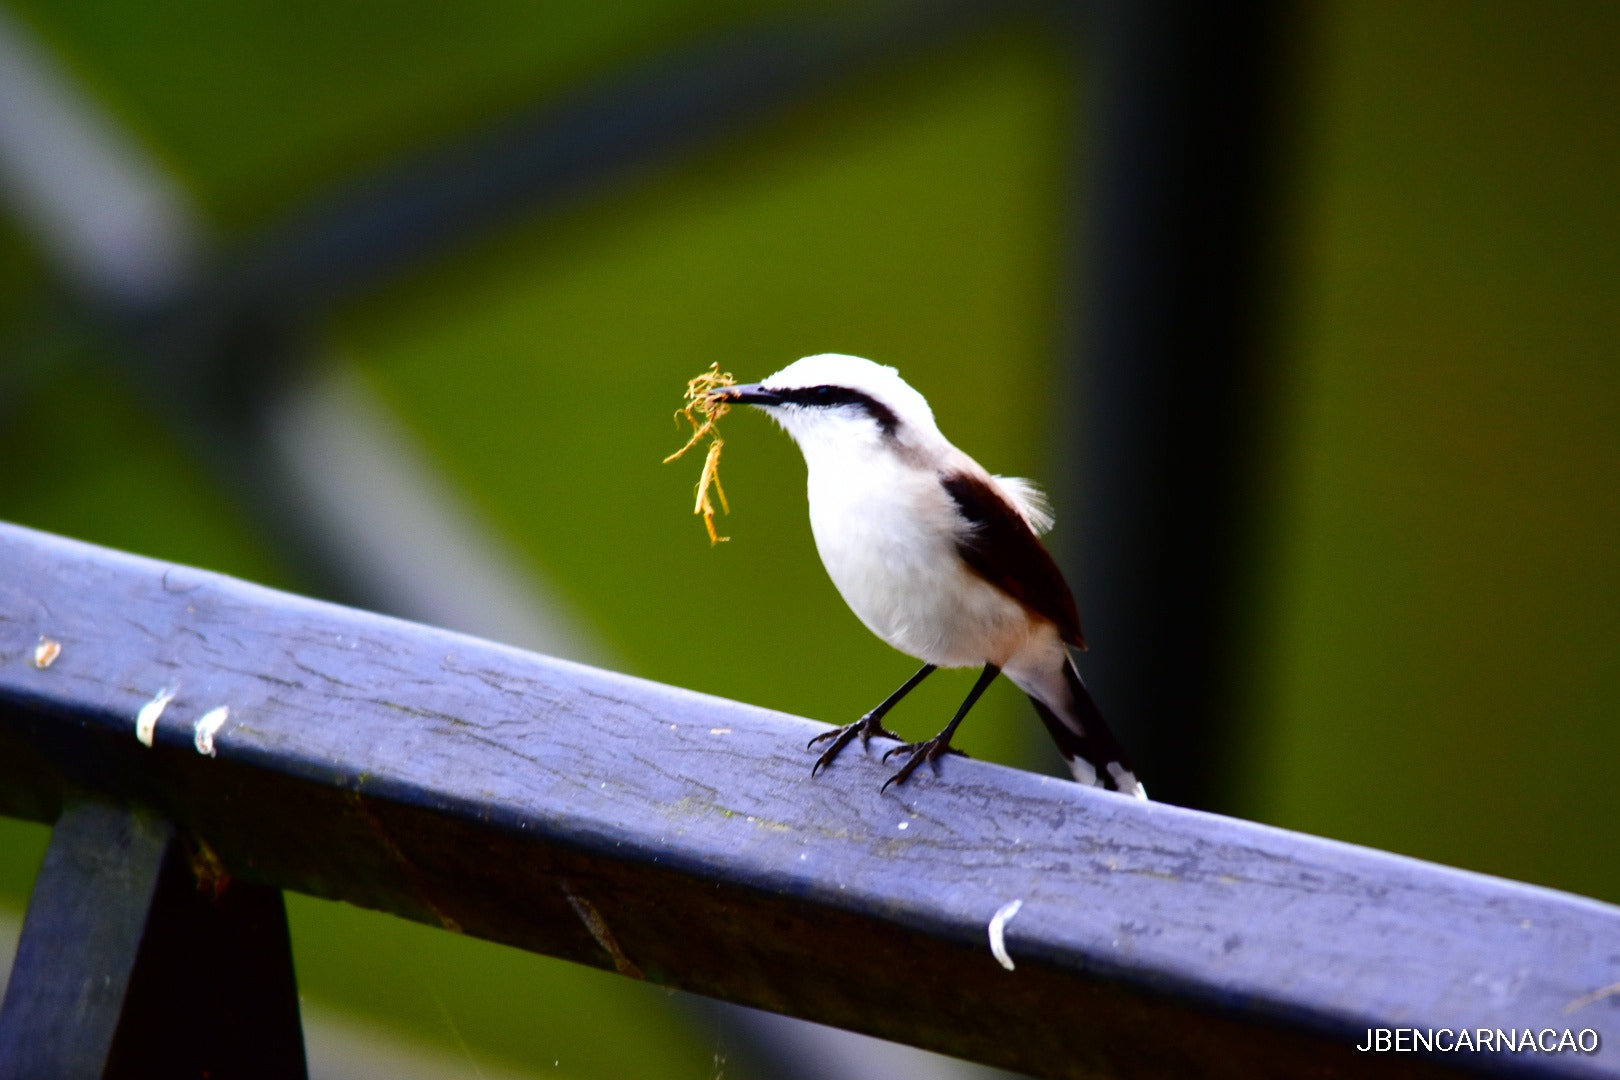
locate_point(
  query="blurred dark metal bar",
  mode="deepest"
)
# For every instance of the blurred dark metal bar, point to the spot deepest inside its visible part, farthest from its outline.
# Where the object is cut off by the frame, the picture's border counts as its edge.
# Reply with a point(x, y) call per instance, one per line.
point(1182, 203)
point(560, 152)
point(222, 353)
point(98, 205)
point(217, 358)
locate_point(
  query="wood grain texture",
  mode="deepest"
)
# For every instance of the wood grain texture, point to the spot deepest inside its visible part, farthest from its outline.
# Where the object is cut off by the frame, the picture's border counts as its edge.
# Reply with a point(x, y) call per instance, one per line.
point(650, 830)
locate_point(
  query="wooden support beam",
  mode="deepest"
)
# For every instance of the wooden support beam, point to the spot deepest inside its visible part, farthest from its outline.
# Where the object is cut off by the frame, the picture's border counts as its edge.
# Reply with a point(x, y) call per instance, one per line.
point(140, 957)
point(680, 838)
point(80, 942)
point(213, 993)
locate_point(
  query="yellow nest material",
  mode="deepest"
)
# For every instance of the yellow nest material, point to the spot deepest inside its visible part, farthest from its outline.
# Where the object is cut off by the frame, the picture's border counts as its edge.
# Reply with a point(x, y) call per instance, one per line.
point(701, 401)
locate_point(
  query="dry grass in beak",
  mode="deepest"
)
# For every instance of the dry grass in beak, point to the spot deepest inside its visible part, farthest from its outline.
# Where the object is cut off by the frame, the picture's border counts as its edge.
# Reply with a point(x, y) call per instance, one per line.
point(700, 401)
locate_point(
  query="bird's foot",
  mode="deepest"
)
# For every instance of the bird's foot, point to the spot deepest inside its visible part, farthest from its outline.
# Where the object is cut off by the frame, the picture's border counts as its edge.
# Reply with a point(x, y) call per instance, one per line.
point(866, 727)
point(930, 751)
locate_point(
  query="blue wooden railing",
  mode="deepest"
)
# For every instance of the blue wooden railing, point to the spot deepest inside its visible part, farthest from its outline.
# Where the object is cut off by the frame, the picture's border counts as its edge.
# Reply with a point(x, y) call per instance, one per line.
point(680, 838)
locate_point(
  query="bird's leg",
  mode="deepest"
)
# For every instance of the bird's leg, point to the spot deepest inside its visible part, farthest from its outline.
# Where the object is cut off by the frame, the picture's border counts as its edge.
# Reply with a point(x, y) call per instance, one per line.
point(940, 744)
point(867, 726)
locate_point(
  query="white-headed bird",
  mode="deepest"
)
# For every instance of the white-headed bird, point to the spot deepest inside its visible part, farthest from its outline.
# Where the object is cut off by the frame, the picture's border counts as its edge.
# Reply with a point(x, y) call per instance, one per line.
point(936, 556)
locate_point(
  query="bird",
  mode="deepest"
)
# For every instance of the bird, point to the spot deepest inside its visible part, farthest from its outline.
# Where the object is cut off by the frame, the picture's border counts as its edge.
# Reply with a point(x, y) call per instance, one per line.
point(936, 556)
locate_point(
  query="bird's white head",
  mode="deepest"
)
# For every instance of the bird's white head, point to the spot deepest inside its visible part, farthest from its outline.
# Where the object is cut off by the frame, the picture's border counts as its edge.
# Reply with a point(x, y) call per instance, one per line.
point(831, 402)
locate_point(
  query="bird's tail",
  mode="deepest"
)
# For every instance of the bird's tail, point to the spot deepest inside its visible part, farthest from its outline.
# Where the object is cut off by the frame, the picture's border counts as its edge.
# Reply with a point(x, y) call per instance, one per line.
point(1077, 726)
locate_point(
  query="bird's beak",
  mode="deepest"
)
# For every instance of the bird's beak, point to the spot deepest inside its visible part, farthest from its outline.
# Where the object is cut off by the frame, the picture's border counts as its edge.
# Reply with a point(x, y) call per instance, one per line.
point(746, 394)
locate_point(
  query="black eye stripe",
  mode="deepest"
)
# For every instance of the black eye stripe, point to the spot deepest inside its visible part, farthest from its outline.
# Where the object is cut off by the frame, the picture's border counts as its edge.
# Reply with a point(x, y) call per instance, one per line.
point(834, 396)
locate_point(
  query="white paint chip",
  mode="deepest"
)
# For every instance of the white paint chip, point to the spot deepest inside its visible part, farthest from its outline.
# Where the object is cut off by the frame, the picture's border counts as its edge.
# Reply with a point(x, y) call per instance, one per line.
point(46, 652)
point(146, 720)
point(208, 727)
point(719, 731)
point(905, 825)
point(998, 931)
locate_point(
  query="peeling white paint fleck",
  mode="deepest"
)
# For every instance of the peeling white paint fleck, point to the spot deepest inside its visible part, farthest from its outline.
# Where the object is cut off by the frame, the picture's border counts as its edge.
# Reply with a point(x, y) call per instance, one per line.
point(905, 825)
point(998, 931)
point(208, 727)
point(46, 652)
point(146, 720)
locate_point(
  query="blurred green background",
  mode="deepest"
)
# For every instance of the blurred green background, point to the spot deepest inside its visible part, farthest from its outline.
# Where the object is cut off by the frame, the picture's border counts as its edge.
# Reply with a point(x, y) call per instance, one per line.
point(1438, 667)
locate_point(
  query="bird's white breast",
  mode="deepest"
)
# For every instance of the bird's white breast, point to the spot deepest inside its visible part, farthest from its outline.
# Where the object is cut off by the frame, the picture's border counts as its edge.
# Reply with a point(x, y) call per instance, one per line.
point(886, 531)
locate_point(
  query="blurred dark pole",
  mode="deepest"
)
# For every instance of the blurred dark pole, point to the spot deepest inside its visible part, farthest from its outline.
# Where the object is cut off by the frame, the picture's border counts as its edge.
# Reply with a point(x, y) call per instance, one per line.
point(1183, 125)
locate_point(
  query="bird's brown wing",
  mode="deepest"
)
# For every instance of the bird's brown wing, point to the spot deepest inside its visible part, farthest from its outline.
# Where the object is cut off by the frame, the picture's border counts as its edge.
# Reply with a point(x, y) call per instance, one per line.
point(1000, 547)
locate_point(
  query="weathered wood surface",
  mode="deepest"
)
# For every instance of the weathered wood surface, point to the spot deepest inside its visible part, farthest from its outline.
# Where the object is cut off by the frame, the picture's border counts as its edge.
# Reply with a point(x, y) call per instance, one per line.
point(681, 838)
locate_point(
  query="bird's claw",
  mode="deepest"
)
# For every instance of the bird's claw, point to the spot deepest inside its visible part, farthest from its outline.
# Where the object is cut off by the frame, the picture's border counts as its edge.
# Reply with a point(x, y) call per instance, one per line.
point(934, 750)
point(865, 727)
point(930, 751)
